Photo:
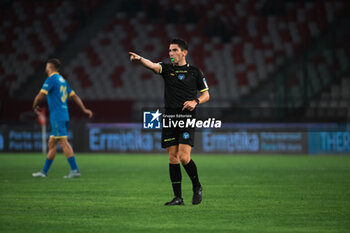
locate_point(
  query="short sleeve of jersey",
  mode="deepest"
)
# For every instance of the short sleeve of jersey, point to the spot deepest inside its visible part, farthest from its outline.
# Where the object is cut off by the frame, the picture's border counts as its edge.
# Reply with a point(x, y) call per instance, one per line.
point(164, 68)
point(48, 85)
point(70, 91)
point(201, 82)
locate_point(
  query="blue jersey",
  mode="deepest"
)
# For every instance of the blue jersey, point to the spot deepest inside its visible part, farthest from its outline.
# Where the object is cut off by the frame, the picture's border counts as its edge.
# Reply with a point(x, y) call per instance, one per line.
point(57, 90)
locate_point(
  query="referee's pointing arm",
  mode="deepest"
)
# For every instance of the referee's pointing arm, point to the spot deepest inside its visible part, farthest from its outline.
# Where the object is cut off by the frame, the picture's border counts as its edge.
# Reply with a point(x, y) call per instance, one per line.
point(155, 67)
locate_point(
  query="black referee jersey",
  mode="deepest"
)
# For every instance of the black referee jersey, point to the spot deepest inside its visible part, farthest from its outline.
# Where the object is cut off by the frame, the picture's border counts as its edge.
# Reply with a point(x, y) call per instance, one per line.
point(181, 84)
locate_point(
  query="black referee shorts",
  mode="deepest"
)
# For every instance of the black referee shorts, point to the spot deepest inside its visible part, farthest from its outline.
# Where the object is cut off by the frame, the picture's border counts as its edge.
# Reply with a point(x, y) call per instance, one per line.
point(176, 135)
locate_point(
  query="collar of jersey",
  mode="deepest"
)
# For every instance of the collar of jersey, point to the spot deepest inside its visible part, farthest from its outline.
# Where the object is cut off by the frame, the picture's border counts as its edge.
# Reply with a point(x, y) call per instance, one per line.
point(53, 74)
point(187, 65)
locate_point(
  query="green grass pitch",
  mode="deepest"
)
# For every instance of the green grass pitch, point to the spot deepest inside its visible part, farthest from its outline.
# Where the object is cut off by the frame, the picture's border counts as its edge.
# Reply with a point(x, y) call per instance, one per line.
point(126, 193)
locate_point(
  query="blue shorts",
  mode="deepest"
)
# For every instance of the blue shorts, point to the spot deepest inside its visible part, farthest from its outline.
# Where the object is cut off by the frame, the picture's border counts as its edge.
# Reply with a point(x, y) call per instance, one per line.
point(59, 129)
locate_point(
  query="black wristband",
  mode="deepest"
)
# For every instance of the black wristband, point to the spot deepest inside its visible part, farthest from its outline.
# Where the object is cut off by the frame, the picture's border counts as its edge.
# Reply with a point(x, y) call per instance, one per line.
point(197, 100)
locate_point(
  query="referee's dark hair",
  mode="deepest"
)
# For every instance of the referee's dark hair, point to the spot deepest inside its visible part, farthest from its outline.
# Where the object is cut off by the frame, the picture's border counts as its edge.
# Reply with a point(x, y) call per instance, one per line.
point(181, 43)
point(55, 62)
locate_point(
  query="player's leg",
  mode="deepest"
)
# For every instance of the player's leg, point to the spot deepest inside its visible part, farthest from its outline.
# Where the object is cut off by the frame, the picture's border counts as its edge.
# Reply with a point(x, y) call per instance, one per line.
point(69, 153)
point(170, 142)
point(66, 147)
point(184, 153)
point(49, 159)
point(51, 154)
point(62, 139)
point(175, 175)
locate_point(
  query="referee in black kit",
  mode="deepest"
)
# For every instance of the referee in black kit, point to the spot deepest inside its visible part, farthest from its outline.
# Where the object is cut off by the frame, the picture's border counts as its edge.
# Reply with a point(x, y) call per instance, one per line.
point(182, 82)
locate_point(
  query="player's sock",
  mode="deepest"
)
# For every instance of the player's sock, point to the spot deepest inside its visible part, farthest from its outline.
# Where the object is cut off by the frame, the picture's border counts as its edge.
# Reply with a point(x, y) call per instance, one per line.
point(175, 177)
point(47, 165)
point(72, 163)
point(191, 170)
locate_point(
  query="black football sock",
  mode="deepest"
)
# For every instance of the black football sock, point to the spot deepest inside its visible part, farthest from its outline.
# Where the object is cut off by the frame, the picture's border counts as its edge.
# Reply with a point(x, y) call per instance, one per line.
point(175, 177)
point(191, 170)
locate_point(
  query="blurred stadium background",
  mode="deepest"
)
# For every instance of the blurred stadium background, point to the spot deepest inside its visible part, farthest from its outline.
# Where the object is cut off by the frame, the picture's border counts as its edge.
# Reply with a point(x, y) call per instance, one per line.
point(279, 78)
point(259, 53)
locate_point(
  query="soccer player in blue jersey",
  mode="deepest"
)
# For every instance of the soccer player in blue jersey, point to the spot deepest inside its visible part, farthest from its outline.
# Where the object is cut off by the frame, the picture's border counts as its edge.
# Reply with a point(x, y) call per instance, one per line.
point(58, 91)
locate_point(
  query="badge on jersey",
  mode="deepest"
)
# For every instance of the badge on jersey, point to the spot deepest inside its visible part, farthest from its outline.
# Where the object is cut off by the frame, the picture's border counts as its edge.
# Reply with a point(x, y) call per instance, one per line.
point(181, 77)
point(186, 135)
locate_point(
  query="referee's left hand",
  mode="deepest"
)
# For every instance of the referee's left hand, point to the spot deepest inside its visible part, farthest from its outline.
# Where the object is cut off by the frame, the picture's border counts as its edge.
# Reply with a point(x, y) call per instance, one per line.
point(189, 105)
